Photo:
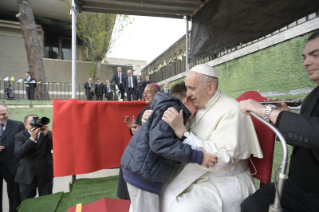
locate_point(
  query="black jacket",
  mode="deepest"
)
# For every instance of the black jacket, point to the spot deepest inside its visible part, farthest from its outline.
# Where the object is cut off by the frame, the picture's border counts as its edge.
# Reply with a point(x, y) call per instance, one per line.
point(7, 140)
point(302, 132)
point(153, 151)
point(35, 158)
point(117, 80)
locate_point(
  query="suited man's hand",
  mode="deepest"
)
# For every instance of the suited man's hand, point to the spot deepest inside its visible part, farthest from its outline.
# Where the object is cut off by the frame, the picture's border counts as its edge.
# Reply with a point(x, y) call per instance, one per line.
point(45, 129)
point(129, 121)
point(1, 148)
point(34, 133)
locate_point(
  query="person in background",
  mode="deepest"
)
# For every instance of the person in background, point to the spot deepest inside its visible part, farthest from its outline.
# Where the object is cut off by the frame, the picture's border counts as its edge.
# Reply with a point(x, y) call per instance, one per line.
point(108, 90)
point(139, 88)
point(31, 84)
point(8, 91)
point(99, 90)
point(165, 90)
point(119, 78)
point(130, 86)
point(88, 86)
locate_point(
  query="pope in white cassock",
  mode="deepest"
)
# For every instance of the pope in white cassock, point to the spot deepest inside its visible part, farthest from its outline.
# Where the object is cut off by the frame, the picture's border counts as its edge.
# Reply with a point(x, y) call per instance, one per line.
point(218, 128)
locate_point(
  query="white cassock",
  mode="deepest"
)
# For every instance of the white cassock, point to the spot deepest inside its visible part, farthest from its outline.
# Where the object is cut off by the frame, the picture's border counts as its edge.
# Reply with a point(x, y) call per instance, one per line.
point(221, 129)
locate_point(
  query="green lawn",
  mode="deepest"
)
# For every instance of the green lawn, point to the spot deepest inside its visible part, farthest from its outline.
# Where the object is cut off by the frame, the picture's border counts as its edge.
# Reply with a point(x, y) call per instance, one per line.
point(19, 114)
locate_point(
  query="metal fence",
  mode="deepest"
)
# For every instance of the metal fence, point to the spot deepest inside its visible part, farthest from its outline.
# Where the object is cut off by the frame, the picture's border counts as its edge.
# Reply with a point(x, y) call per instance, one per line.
point(174, 69)
point(55, 91)
point(169, 70)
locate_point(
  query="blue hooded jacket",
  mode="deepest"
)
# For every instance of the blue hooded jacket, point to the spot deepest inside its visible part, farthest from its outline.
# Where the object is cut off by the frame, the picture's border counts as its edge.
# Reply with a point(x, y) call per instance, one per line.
point(153, 151)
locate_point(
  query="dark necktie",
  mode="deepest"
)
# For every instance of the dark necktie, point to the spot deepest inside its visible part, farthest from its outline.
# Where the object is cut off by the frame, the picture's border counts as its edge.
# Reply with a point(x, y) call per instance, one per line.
point(1, 130)
point(130, 84)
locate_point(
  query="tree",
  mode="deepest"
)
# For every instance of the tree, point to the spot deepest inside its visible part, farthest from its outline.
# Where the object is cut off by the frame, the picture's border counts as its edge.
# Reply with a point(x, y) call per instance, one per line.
point(32, 45)
point(98, 31)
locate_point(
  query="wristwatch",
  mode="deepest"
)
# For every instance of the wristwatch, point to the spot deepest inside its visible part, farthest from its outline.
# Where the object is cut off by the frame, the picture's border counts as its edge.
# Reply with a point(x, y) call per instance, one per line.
point(186, 134)
point(267, 111)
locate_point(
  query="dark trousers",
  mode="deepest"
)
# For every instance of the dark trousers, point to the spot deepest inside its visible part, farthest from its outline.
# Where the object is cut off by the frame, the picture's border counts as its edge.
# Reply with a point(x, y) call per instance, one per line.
point(122, 90)
point(109, 96)
point(131, 92)
point(122, 191)
point(29, 190)
point(30, 93)
point(139, 94)
point(99, 97)
point(89, 95)
point(294, 199)
point(12, 187)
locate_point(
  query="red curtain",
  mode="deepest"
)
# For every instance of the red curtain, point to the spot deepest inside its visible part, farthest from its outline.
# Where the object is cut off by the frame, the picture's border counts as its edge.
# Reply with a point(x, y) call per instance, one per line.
point(90, 135)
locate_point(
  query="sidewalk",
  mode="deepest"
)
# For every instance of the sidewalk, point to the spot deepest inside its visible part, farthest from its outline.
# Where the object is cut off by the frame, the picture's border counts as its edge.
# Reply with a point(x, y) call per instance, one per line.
point(62, 183)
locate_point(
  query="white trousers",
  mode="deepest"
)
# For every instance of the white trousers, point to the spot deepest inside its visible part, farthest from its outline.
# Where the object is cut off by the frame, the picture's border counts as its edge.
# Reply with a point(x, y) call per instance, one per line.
point(142, 201)
point(210, 194)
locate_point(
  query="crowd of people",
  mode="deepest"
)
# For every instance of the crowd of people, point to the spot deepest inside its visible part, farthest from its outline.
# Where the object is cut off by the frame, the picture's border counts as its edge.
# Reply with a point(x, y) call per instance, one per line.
point(127, 83)
point(25, 158)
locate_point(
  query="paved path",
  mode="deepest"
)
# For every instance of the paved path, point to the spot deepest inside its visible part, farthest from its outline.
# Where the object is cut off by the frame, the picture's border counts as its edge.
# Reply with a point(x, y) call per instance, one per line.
point(62, 183)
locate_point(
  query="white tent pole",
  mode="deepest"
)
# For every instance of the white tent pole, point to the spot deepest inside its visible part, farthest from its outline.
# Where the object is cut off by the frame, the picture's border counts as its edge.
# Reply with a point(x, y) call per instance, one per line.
point(187, 66)
point(73, 11)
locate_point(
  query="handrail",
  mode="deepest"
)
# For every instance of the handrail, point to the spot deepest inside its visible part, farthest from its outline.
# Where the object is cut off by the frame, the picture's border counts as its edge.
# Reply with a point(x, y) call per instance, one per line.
point(276, 206)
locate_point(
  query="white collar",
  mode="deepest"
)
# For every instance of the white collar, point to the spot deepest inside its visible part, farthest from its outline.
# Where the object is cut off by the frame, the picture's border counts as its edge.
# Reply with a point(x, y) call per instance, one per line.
point(213, 97)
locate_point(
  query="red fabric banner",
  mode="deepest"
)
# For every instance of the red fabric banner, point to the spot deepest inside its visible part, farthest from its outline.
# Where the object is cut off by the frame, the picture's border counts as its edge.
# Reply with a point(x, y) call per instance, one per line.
point(90, 135)
point(105, 205)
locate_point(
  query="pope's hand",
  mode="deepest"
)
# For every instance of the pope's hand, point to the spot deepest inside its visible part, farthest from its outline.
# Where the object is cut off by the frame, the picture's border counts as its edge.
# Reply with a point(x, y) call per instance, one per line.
point(175, 120)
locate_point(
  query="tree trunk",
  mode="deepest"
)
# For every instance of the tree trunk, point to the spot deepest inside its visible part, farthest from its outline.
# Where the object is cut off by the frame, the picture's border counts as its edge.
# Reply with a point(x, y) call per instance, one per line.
point(33, 48)
point(98, 69)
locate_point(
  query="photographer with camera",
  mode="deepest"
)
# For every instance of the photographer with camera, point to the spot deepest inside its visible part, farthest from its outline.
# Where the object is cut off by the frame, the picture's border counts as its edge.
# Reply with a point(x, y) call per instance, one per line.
point(33, 148)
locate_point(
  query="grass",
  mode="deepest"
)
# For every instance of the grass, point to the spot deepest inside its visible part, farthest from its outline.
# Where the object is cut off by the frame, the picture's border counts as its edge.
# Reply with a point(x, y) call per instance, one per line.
point(26, 102)
point(19, 113)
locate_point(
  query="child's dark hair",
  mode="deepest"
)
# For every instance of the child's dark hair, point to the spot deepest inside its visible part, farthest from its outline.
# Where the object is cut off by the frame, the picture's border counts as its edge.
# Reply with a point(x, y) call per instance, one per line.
point(179, 91)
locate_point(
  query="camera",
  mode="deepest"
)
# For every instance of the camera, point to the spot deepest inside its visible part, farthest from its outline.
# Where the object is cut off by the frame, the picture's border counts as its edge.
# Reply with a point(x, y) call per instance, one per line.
point(37, 122)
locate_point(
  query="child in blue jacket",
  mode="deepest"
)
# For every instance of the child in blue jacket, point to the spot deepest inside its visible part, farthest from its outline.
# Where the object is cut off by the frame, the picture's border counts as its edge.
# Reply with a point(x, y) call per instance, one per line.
point(153, 151)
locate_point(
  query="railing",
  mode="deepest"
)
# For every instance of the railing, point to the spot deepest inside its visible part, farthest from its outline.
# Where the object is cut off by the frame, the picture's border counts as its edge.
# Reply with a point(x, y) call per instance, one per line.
point(55, 91)
point(171, 69)
point(157, 76)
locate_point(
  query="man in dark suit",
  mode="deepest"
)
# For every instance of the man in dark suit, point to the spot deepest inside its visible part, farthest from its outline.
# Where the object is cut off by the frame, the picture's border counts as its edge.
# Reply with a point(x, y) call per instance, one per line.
point(31, 84)
point(108, 89)
point(130, 85)
point(35, 169)
point(99, 90)
point(147, 81)
point(165, 90)
point(301, 189)
point(88, 86)
point(139, 88)
point(8, 163)
point(119, 78)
